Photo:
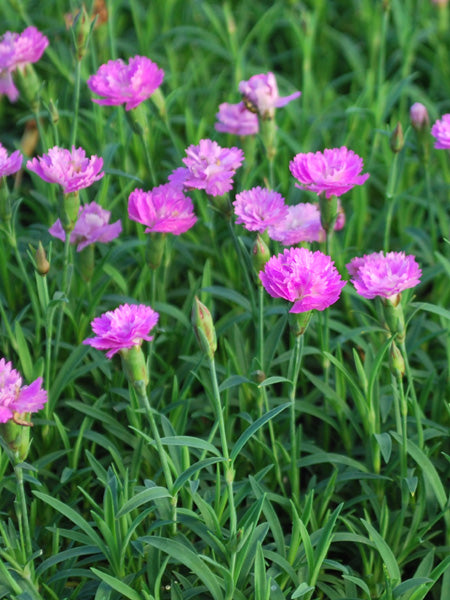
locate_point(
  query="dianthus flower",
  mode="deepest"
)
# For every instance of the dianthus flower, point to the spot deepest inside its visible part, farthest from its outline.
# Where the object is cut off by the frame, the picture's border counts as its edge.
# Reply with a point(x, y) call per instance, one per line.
point(302, 224)
point(92, 226)
point(9, 164)
point(259, 208)
point(165, 209)
point(308, 279)
point(236, 119)
point(260, 95)
point(333, 171)
point(128, 84)
point(209, 167)
point(123, 328)
point(70, 168)
point(441, 131)
point(387, 276)
point(15, 398)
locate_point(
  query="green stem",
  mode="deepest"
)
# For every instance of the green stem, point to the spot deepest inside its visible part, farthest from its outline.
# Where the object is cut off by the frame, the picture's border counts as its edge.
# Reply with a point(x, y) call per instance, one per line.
point(390, 199)
point(24, 523)
point(294, 371)
point(411, 388)
point(65, 290)
point(76, 103)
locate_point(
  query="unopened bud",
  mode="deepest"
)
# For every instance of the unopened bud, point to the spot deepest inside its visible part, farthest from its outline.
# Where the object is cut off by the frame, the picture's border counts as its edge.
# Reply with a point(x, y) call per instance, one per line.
point(16, 434)
point(419, 116)
point(69, 209)
point(396, 362)
point(397, 140)
point(260, 254)
point(42, 264)
point(81, 25)
point(53, 111)
point(394, 317)
point(204, 328)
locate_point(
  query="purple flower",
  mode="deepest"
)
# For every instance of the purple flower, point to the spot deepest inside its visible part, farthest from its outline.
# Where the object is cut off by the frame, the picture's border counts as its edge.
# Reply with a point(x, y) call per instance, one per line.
point(9, 164)
point(71, 169)
point(235, 118)
point(308, 279)
point(209, 167)
point(260, 95)
point(302, 224)
point(92, 226)
point(165, 209)
point(387, 276)
point(441, 131)
point(128, 84)
point(333, 172)
point(16, 398)
point(121, 329)
point(259, 208)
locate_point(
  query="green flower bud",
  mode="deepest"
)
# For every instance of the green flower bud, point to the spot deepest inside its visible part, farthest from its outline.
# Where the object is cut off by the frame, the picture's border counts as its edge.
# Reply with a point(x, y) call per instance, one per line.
point(16, 434)
point(68, 210)
point(260, 255)
point(204, 328)
point(42, 264)
point(397, 140)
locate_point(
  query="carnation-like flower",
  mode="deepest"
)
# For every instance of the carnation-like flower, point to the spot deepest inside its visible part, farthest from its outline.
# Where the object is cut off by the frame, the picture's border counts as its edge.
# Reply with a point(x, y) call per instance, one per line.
point(70, 168)
point(260, 95)
point(308, 279)
point(129, 84)
point(209, 167)
point(236, 119)
point(387, 275)
point(333, 171)
point(15, 398)
point(165, 209)
point(123, 328)
point(92, 226)
point(441, 131)
point(302, 224)
point(259, 208)
point(9, 164)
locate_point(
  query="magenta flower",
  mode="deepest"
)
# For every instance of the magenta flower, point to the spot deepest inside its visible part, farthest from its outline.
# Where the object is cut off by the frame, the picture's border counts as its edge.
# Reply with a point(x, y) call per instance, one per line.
point(92, 226)
point(9, 164)
point(15, 398)
point(308, 279)
point(260, 95)
point(302, 224)
point(121, 329)
point(387, 276)
point(165, 209)
point(209, 167)
point(71, 169)
point(259, 208)
point(441, 131)
point(333, 172)
point(128, 84)
point(236, 119)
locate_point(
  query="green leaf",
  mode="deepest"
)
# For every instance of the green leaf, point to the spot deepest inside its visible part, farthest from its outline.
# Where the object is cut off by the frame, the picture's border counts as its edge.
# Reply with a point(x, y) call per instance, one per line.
point(410, 584)
point(172, 311)
point(385, 552)
point(190, 442)
point(432, 308)
point(201, 464)
point(302, 589)
point(117, 585)
point(273, 380)
point(234, 381)
point(228, 294)
point(143, 498)
point(324, 544)
point(385, 442)
point(26, 362)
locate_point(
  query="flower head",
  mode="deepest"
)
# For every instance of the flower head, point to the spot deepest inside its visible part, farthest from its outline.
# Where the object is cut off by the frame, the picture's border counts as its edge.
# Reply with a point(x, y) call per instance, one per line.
point(70, 168)
point(259, 208)
point(302, 224)
point(9, 164)
point(128, 84)
point(260, 95)
point(237, 119)
point(123, 328)
point(387, 275)
point(92, 226)
point(333, 171)
point(18, 398)
point(308, 279)
point(165, 209)
point(441, 131)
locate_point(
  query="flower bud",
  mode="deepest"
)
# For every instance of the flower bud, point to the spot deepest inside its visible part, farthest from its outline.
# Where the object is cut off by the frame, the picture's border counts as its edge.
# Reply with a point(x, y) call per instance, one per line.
point(204, 328)
point(396, 362)
point(397, 140)
point(42, 264)
point(53, 111)
point(260, 255)
point(395, 318)
point(16, 434)
point(69, 209)
point(419, 117)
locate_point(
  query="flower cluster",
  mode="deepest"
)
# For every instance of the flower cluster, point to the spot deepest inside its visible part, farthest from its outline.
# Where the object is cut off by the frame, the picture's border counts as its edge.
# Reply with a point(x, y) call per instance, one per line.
point(259, 208)
point(9, 164)
point(441, 131)
point(15, 398)
point(260, 95)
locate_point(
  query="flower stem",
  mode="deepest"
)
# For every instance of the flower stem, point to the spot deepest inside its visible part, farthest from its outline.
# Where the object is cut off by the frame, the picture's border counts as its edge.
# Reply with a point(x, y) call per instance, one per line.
point(294, 371)
point(65, 285)
point(76, 102)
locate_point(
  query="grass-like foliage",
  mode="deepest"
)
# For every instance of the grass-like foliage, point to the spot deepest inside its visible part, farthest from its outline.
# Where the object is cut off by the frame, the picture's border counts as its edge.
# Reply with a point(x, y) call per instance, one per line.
point(234, 344)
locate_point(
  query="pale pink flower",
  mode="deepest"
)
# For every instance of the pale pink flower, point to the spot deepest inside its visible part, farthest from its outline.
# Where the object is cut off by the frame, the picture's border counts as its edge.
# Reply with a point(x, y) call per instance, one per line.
point(259, 208)
point(260, 95)
point(128, 84)
point(333, 171)
point(387, 275)
point(92, 226)
point(70, 169)
point(308, 279)
point(441, 131)
point(419, 116)
point(165, 209)
point(302, 224)
point(236, 119)
point(18, 398)
point(121, 329)
point(9, 164)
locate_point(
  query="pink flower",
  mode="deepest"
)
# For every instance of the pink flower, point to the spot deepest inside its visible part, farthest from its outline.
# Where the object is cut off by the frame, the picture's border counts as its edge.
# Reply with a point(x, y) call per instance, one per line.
point(260, 95)
point(16, 398)
point(71, 169)
point(259, 208)
point(9, 164)
point(441, 131)
point(92, 226)
point(165, 209)
point(209, 167)
point(387, 276)
point(302, 224)
point(333, 172)
point(419, 116)
point(235, 118)
point(121, 329)
point(308, 279)
point(128, 84)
